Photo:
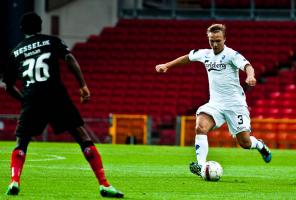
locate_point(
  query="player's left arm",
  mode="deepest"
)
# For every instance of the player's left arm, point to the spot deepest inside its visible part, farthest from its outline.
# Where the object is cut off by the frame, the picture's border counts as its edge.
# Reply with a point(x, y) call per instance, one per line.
point(9, 78)
point(243, 64)
point(250, 80)
point(14, 92)
point(75, 69)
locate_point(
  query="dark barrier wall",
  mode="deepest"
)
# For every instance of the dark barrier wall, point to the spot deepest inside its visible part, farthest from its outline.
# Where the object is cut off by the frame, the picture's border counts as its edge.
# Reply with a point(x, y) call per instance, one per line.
point(11, 11)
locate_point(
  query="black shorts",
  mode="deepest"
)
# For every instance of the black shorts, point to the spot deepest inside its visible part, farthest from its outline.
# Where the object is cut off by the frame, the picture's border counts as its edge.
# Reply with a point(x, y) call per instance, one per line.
point(61, 114)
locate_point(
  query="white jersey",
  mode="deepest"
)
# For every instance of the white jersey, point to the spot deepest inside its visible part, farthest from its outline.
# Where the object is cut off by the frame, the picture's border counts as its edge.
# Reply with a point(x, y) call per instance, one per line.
point(223, 75)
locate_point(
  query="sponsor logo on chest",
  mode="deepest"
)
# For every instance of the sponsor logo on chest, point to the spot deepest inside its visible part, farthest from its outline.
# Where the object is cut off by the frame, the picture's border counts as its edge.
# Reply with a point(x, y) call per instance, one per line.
point(214, 66)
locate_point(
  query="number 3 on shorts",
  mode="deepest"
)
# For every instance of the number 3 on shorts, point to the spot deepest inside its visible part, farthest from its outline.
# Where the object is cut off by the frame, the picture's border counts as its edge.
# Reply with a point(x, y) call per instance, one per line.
point(240, 119)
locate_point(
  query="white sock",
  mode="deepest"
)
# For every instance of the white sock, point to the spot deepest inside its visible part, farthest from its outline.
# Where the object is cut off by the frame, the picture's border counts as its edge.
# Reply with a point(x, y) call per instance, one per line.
point(256, 144)
point(201, 148)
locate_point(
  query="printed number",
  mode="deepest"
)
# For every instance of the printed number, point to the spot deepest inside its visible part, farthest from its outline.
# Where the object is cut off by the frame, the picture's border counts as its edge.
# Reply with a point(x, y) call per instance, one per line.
point(240, 118)
point(41, 69)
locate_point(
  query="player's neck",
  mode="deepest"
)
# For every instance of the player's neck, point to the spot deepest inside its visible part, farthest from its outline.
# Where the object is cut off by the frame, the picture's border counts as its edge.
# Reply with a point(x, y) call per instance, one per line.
point(216, 53)
point(28, 36)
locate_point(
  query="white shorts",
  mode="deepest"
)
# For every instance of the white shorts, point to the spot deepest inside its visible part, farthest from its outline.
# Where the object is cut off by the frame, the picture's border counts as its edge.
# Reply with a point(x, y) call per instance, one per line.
point(236, 117)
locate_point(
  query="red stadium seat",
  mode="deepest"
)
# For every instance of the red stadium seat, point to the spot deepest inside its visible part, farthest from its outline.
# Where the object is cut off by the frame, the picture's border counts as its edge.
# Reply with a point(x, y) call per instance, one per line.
point(291, 138)
point(270, 139)
point(282, 141)
point(167, 137)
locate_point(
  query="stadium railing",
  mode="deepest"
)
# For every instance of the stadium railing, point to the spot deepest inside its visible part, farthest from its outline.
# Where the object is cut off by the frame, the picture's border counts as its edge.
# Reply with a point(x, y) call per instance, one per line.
point(130, 129)
point(94, 127)
point(276, 133)
point(208, 9)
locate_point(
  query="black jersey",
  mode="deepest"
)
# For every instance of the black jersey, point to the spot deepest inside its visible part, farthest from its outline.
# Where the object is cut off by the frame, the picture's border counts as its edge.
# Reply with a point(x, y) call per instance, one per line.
point(35, 61)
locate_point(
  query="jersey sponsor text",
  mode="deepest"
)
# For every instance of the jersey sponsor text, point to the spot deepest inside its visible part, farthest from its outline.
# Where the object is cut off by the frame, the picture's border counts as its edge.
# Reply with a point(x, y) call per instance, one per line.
point(30, 47)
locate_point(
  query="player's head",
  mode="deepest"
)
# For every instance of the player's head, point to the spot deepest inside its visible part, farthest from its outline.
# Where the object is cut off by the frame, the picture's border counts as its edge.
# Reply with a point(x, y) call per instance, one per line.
point(216, 34)
point(30, 23)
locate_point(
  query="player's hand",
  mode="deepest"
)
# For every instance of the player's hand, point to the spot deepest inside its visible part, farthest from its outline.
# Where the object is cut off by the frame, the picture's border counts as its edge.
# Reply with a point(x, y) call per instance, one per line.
point(251, 81)
point(162, 68)
point(84, 94)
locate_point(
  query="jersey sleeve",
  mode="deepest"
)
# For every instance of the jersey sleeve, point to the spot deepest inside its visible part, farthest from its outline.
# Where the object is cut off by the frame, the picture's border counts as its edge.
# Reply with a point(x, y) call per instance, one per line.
point(239, 61)
point(194, 55)
point(197, 55)
point(61, 48)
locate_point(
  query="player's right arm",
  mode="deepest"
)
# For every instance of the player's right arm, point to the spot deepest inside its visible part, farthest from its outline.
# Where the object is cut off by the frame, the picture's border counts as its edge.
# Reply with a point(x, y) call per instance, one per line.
point(63, 51)
point(178, 61)
point(75, 69)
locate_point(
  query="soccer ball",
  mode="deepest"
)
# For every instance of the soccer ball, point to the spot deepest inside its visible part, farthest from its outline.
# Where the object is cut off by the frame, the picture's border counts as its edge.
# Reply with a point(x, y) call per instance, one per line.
point(211, 171)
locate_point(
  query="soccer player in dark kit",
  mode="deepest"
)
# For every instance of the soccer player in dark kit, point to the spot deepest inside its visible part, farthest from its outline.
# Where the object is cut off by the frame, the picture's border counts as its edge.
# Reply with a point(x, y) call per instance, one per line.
point(45, 100)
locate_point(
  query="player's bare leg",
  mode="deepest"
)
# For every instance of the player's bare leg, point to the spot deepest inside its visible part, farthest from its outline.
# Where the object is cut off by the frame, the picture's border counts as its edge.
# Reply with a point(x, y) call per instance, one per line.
point(204, 123)
point(18, 157)
point(94, 159)
point(250, 142)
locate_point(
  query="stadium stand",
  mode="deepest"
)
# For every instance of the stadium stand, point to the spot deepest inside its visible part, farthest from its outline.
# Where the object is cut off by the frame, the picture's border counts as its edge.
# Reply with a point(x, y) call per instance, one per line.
point(119, 66)
point(121, 63)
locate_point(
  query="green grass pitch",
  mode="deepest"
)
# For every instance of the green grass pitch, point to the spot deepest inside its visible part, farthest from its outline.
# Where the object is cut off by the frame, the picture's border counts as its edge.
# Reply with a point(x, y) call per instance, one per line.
point(59, 171)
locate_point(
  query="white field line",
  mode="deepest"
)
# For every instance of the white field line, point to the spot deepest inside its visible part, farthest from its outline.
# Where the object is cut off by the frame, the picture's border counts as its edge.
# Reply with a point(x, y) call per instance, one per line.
point(49, 157)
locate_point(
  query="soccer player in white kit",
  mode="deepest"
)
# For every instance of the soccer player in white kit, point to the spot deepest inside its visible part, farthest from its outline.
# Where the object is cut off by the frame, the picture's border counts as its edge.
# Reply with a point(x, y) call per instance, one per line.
point(227, 99)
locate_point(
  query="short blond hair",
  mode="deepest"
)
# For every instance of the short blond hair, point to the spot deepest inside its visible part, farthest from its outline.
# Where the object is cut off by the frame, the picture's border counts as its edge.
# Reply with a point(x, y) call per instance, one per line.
point(214, 28)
